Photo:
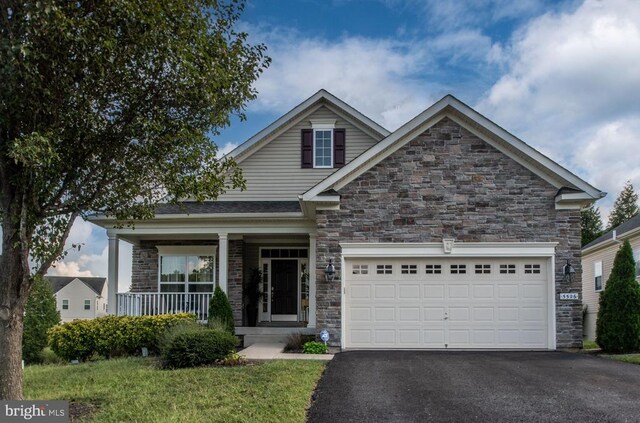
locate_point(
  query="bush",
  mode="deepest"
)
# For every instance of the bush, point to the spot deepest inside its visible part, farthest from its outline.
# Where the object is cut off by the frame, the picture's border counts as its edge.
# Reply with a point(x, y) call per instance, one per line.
point(295, 341)
point(314, 347)
point(112, 336)
point(167, 337)
point(198, 347)
point(47, 356)
point(618, 324)
point(40, 315)
point(220, 309)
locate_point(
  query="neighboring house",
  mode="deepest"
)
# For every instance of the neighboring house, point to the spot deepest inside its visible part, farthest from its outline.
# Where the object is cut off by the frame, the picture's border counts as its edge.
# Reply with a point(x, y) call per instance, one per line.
point(79, 297)
point(597, 262)
point(446, 233)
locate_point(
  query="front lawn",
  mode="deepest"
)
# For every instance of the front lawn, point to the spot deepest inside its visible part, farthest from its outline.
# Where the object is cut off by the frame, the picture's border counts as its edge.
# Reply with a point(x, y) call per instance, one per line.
point(135, 390)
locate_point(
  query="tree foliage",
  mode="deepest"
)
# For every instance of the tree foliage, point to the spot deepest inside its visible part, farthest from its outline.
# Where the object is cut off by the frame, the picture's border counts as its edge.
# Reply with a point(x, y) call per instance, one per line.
point(590, 224)
point(220, 311)
point(40, 315)
point(625, 206)
point(105, 107)
point(618, 325)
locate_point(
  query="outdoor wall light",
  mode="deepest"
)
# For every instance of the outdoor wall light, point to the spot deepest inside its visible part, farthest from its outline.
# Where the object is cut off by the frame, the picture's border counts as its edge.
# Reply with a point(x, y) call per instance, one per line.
point(568, 271)
point(330, 271)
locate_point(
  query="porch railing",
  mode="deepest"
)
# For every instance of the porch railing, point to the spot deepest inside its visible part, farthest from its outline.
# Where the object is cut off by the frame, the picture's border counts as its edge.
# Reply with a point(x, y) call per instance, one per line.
point(152, 303)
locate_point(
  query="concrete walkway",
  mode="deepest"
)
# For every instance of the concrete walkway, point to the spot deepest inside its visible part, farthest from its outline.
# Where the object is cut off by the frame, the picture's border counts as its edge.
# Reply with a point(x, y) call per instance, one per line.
point(264, 351)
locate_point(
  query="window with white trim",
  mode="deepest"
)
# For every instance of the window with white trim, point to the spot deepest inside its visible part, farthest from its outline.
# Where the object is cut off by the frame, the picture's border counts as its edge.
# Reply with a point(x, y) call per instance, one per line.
point(636, 258)
point(323, 148)
point(87, 304)
point(187, 269)
point(597, 275)
point(360, 269)
point(409, 269)
point(65, 304)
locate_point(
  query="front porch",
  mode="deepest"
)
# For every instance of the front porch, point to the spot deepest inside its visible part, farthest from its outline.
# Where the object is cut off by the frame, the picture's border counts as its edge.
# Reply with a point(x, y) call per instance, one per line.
point(268, 278)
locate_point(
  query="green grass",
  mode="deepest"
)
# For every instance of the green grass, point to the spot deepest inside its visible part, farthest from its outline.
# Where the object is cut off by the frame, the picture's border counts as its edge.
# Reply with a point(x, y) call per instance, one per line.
point(627, 358)
point(135, 390)
point(588, 344)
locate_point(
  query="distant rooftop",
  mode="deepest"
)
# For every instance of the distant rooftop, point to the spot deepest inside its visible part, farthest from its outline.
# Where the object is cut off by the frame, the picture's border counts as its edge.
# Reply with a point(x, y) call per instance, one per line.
point(59, 282)
point(621, 229)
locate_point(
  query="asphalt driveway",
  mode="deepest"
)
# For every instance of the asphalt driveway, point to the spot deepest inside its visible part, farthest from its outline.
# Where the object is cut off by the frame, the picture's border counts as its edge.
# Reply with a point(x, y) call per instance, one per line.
point(416, 386)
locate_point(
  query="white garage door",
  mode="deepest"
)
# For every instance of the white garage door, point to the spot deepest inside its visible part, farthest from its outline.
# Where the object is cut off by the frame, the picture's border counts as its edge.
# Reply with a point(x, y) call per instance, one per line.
point(446, 303)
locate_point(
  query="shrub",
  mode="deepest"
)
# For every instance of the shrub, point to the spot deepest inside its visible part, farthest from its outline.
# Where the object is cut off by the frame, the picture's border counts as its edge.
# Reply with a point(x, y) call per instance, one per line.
point(296, 341)
point(314, 347)
point(167, 337)
point(198, 348)
point(47, 356)
point(233, 359)
point(220, 309)
point(40, 315)
point(112, 336)
point(618, 324)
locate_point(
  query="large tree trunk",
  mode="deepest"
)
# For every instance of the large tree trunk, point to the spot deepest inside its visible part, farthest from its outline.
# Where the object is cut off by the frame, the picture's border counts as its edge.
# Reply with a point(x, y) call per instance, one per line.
point(13, 293)
point(11, 356)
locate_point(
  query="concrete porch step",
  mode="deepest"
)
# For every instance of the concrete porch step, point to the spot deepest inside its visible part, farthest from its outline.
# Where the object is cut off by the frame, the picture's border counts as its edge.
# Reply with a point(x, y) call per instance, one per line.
point(270, 335)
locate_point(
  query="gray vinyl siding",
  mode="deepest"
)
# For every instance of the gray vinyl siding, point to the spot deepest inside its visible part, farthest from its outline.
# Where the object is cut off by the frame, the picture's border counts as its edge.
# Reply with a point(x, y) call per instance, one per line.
point(274, 172)
point(591, 297)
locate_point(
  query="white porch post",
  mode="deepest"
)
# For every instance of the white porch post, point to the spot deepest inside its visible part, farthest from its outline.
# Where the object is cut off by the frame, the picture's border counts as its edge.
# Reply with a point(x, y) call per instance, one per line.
point(312, 281)
point(224, 261)
point(112, 276)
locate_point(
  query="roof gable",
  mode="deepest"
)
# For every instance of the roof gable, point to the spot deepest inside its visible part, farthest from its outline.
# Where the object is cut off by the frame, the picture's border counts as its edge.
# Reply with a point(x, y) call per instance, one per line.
point(93, 283)
point(298, 113)
point(480, 126)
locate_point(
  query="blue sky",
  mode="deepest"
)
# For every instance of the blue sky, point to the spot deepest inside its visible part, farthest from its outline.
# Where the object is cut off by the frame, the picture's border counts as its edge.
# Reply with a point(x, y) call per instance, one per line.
point(563, 76)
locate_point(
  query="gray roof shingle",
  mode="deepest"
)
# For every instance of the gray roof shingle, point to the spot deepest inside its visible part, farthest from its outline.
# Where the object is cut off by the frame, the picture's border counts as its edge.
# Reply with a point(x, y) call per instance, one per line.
point(59, 282)
point(215, 207)
point(627, 226)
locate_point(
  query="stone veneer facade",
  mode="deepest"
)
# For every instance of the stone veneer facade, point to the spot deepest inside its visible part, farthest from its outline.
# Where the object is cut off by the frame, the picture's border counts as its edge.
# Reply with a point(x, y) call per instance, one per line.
point(448, 183)
point(144, 272)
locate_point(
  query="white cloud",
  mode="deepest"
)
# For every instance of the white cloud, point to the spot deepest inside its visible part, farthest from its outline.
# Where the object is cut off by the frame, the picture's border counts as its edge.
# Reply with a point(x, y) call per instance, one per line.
point(570, 89)
point(443, 15)
point(379, 77)
point(92, 258)
point(71, 268)
point(228, 147)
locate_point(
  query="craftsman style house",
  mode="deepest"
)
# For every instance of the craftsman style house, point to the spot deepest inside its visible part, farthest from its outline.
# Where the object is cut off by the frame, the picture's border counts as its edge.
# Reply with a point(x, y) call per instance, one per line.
point(446, 233)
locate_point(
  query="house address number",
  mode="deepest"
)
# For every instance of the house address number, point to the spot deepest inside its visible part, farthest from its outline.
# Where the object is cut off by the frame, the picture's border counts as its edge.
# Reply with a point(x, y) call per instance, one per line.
point(569, 296)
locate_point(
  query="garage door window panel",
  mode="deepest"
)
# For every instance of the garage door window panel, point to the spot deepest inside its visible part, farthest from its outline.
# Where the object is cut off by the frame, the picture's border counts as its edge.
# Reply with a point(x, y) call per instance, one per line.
point(508, 269)
point(384, 269)
point(483, 269)
point(433, 269)
point(409, 269)
point(458, 269)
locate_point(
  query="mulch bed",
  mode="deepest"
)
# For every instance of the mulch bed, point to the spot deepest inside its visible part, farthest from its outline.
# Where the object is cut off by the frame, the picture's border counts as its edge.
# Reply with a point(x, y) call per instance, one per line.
point(81, 411)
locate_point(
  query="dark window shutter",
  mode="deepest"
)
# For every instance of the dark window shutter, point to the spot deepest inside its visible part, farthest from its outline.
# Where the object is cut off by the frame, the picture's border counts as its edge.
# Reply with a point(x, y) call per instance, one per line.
point(307, 148)
point(339, 148)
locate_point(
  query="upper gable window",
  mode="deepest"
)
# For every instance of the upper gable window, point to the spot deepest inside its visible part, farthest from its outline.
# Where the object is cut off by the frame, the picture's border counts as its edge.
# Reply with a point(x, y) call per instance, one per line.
point(322, 148)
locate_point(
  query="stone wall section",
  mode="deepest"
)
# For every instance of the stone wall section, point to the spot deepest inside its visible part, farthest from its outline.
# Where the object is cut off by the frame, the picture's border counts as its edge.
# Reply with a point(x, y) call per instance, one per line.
point(234, 279)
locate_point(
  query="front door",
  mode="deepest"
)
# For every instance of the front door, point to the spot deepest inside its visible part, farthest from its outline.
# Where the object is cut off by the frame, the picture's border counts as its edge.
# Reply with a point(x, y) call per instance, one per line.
point(284, 290)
